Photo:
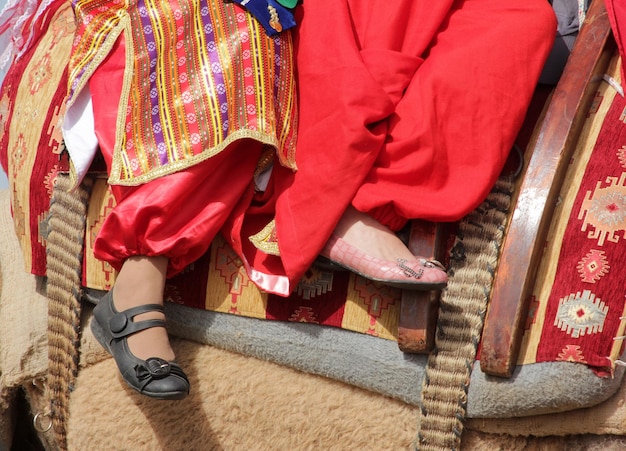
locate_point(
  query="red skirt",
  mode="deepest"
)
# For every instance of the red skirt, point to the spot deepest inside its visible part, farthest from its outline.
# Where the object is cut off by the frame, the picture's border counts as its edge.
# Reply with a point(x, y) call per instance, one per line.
point(408, 109)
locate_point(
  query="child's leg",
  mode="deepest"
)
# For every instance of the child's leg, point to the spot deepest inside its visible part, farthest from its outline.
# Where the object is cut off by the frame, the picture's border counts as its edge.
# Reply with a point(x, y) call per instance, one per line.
point(140, 281)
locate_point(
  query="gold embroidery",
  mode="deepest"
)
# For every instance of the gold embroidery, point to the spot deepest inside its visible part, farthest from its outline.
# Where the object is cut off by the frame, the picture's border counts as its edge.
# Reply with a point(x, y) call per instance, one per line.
point(116, 174)
point(103, 51)
point(266, 239)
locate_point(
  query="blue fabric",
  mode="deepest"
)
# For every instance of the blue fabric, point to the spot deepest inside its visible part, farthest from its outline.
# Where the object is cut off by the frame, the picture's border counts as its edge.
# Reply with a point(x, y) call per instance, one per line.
point(271, 14)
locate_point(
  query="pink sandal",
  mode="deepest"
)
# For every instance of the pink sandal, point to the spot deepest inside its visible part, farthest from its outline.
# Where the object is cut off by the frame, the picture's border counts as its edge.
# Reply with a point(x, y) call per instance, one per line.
point(419, 274)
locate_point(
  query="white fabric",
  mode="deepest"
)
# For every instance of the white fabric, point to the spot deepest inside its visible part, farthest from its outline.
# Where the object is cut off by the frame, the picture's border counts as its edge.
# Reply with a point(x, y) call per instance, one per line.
point(262, 179)
point(13, 17)
point(78, 133)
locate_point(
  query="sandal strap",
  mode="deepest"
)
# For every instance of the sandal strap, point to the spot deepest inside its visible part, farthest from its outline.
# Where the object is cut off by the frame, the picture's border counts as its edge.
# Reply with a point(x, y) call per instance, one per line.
point(144, 308)
point(122, 324)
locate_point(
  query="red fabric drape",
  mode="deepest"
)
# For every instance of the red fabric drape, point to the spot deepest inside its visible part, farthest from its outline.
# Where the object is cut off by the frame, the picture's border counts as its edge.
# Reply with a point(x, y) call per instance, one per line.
point(407, 111)
point(617, 17)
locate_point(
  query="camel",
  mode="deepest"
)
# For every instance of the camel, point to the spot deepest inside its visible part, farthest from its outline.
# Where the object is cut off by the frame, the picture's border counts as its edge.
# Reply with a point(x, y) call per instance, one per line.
point(272, 385)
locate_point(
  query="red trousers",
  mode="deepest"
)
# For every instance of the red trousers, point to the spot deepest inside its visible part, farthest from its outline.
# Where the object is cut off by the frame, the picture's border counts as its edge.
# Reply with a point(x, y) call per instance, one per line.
point(177, 215)
point(407, 110)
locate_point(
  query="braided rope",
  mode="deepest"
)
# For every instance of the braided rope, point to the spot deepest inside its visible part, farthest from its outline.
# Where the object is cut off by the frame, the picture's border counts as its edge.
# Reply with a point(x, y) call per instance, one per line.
point(64, 263)
point(473, 260)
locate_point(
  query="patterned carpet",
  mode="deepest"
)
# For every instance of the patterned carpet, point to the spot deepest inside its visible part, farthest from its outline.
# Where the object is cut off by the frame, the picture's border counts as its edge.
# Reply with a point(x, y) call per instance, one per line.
point(577, 303)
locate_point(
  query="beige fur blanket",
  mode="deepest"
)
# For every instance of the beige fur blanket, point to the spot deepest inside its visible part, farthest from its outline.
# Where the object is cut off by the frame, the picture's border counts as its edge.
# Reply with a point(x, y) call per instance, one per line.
point(240, 402)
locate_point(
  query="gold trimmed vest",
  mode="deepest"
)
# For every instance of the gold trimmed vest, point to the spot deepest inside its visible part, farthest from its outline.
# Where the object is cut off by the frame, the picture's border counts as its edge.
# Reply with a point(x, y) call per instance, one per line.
point(199, 74)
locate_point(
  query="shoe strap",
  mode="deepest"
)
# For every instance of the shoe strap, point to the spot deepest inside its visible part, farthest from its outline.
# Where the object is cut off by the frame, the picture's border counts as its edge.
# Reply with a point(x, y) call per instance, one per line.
point(123, 325)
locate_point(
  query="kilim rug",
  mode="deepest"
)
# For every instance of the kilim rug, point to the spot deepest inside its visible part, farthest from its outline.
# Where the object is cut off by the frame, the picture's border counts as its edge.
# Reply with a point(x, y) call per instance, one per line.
point(218, 282)
point(578, 304)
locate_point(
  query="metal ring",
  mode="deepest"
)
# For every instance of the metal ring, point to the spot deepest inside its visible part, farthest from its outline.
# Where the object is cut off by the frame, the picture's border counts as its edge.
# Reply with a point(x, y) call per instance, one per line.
point(37, 422)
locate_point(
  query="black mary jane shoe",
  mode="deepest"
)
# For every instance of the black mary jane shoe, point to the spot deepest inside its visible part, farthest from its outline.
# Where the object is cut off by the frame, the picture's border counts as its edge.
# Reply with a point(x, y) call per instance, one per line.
point(152, 377)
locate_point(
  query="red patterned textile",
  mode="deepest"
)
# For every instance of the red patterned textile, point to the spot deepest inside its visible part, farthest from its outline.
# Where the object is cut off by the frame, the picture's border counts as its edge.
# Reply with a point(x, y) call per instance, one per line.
point(217, 281)
point(36, 83)
point(588, 294)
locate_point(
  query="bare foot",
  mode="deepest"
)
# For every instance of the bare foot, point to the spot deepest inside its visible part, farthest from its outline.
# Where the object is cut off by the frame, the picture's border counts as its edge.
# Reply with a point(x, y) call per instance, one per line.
point(371, 237)
point(142, 281)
